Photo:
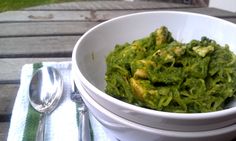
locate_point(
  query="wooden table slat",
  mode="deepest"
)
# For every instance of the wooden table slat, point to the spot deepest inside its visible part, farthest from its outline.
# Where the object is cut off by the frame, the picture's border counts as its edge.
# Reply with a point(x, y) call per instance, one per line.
point(8, 93)
point(30, 29)
point(11, 68)
point(4, 126)
point(51, 46)
point(36, 16)
point(233, 20)
point(109, 5)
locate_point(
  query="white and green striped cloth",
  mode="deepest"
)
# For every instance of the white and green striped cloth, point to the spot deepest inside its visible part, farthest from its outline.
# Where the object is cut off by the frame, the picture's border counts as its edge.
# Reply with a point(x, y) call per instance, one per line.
point(61, 124)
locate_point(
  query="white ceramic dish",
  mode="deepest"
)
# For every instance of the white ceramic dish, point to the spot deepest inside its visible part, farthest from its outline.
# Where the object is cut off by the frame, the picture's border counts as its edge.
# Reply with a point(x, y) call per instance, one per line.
point(88, 63)
point(124, 130)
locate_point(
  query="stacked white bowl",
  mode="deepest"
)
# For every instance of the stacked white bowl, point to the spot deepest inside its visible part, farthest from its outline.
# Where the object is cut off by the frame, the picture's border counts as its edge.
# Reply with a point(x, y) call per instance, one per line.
point(127, 122)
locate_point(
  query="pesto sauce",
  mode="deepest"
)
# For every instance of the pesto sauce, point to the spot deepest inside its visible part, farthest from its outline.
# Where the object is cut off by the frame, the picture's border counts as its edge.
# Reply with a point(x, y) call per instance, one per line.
point(160, 73)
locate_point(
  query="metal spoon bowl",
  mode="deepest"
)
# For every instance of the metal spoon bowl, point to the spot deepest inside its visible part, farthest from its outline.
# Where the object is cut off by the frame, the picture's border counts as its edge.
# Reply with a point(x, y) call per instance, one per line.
point(45, 92)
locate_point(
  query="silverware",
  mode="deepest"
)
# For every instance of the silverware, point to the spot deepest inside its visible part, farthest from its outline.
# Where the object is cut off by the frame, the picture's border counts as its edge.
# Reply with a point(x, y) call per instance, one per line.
point(45, 92)
point(83, 121)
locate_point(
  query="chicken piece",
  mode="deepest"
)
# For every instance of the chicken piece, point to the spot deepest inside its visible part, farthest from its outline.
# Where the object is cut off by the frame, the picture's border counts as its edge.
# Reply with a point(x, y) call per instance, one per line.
point(203, 51)
point(163, 36)
point(139, 91)
point(140, 73)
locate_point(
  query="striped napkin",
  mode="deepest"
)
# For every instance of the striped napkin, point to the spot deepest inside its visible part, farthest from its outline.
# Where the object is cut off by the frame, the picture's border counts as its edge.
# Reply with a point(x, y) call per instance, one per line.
point(61, 124)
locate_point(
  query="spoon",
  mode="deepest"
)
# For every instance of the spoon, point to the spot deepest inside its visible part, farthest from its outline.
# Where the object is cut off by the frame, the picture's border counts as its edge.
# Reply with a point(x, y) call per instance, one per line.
point(45, 91)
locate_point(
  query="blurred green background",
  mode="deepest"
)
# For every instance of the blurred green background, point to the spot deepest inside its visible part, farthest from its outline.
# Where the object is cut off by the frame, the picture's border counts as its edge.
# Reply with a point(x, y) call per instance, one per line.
point(6, 5)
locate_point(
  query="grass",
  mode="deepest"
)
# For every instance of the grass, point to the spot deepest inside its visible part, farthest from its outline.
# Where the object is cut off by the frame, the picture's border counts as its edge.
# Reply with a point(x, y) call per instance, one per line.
point(7, 5)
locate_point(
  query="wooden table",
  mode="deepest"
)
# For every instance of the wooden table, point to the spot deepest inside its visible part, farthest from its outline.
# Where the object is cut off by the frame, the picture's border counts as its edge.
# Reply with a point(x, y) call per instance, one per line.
point(49, 33)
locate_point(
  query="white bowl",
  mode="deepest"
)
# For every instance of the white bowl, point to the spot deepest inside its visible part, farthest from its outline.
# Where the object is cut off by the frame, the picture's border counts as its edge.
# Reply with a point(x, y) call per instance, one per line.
point(125, 130)
point(89, 66)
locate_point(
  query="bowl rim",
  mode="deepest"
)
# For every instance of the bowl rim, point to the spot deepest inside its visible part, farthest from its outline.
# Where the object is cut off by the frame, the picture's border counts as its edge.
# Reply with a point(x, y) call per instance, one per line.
point(180, 116)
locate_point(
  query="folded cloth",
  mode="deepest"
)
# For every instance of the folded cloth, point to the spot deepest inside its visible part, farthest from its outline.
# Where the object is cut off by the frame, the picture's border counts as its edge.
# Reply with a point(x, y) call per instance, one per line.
point(61, 124)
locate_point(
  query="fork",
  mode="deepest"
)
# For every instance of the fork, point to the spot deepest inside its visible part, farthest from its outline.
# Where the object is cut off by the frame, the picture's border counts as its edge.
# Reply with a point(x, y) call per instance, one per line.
point(83, 122)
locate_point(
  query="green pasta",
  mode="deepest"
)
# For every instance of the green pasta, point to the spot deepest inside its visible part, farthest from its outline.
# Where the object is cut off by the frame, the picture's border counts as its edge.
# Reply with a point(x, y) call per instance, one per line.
point(160, 73)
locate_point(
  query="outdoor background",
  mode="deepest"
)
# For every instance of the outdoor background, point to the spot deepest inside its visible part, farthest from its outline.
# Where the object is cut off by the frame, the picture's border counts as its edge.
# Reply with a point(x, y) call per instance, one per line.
point(6, 5)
